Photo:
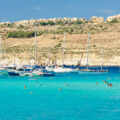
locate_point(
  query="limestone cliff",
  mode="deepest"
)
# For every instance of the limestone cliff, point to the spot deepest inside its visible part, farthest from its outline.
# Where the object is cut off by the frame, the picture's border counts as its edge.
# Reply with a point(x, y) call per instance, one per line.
point(18, 40)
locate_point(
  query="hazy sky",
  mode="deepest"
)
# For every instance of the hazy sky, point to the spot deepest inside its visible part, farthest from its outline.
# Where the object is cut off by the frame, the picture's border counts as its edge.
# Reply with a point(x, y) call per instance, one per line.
point(15, 10)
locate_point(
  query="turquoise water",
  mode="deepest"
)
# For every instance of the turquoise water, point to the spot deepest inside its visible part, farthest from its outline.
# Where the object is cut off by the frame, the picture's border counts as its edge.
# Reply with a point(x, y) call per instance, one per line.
point(80, 98)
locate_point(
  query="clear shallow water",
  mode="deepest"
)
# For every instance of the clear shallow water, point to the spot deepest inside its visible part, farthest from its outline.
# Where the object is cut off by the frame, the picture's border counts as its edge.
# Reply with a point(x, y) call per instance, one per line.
point(81, 99)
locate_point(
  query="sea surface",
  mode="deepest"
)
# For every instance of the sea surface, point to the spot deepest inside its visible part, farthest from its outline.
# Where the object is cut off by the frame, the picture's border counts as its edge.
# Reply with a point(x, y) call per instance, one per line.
point(67, 96)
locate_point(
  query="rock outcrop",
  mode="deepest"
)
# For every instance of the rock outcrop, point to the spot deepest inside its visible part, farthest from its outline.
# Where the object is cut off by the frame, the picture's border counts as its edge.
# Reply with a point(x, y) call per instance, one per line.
point(110, 18)
point(96, 19)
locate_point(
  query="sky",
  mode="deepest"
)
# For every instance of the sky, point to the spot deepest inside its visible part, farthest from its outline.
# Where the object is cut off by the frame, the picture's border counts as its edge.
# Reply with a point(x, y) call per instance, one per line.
point(16, 10)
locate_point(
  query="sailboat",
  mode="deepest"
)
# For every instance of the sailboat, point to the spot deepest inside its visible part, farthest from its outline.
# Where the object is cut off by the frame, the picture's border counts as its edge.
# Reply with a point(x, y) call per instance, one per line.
point(101, 70)
point(24, 70)
point(61, 69)
point(87, 70)
point(3, 70)
point(34, 71)
point(38, 71)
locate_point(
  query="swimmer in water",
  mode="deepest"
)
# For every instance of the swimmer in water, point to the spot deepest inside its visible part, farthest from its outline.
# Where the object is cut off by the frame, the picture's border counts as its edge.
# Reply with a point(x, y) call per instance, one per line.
point(107, 83)
point(60, 89)
point(110, 85)
point(96, 83)
point(104, 81)
point(31, 93)
point(24, 86)
point(66, 84)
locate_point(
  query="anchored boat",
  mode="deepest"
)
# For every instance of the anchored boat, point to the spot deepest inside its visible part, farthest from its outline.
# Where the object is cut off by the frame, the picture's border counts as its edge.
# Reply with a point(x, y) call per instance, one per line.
point(92, 71)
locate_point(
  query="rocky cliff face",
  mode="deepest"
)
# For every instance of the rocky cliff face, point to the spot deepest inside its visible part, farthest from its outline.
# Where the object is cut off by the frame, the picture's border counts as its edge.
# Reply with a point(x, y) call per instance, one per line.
point(110, 18)
point(97, 20)
point(93, 19)
point(105, 35)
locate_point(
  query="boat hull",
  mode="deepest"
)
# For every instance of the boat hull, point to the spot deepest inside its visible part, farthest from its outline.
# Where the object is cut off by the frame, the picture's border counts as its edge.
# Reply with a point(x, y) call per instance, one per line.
point(13, 74)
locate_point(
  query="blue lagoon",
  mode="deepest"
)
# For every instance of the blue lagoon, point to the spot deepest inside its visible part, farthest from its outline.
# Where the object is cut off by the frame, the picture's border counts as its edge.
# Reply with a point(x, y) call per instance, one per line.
point(66, 96)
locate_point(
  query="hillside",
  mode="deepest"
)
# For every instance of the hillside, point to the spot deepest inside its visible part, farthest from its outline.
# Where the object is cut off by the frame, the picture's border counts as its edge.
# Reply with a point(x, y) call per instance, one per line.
point(18, 40)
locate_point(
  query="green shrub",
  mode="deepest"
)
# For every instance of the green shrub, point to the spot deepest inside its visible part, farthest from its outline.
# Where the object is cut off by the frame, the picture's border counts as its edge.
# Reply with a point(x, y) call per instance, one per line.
point(47, 23)
point(40, 33)
point(50, 23)
point(114, 21)
point(79, 22)
point(58, 45)
point(43, 23)
point(54, 37)
point(20, 34)
point(59, 22)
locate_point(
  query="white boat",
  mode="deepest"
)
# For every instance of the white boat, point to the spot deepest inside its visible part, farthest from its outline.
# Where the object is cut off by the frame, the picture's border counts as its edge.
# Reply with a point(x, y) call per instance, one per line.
point(36, 72)
point(49, 69)
point(58, 69)
point(20, 70)
point(62, 70)
point(29, 70)
point(91, 71)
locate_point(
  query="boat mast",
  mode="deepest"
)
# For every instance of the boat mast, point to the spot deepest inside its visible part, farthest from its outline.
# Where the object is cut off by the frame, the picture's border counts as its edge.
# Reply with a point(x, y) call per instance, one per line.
point(0, 47)
point(48, 55)
point(34, 49)
point(63, 49)
point(101, 59)
point(88, 49)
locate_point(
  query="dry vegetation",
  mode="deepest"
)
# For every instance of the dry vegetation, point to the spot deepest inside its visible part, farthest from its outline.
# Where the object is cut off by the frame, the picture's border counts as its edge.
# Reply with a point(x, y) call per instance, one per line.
point(104, 35)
